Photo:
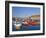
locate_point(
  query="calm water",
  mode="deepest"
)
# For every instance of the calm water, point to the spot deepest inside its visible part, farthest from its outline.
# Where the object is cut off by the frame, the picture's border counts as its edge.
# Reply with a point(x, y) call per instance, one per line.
point(29, 27)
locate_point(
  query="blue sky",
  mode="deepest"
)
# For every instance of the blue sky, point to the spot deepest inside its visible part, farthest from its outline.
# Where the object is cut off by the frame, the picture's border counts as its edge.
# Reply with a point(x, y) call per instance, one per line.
point(25, 11)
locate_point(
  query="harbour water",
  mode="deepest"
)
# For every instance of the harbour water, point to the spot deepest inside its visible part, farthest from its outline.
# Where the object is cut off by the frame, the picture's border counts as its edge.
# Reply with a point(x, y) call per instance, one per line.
point(29, 27)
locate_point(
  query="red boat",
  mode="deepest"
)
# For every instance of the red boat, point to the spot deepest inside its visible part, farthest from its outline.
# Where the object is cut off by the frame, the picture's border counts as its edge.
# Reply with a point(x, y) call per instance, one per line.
point(28, 22)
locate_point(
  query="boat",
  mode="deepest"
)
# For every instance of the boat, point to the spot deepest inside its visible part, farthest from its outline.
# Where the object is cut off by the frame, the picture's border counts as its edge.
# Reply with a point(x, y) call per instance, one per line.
point(28, 22)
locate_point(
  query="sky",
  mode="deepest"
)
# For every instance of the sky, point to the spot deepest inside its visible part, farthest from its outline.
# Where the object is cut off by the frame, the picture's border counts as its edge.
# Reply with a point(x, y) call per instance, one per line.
point(25, 11)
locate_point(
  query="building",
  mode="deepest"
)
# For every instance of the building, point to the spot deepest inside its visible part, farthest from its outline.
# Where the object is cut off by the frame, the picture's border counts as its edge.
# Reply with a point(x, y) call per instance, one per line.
point(35, 17)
